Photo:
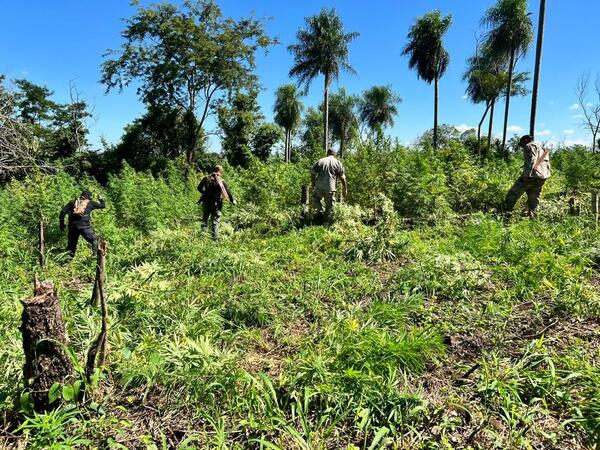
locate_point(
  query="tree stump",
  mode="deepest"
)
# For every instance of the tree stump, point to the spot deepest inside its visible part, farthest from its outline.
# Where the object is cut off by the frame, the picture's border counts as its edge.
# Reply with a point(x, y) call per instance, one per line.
point(44, 338)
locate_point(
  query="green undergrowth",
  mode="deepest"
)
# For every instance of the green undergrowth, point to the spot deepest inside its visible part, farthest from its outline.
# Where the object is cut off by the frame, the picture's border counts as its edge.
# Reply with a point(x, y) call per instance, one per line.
point(385, 330)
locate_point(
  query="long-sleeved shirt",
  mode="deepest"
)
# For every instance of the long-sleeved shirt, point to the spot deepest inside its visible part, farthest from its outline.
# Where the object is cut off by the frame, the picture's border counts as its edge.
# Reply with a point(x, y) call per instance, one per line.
point(211, 192)
point(77, 221)
point(531, 153)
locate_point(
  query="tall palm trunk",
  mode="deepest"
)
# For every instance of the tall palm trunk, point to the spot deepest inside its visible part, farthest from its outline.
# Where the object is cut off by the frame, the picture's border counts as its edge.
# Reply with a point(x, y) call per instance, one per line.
point(435, 113)
point(487, 108)
point(326, 115)
point(538, 65)
point(285, 147)
point(289, 145)
point(491, 127)
point(192, 136)
point(511, 66)
point(342, 144)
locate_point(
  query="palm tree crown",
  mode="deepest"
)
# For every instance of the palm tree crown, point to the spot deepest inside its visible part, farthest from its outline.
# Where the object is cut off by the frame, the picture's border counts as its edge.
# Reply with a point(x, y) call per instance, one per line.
point(378, 107)
point(511, 28)
point(288, 112)
point(322, 48)
point(425, 49)
point(288, 107)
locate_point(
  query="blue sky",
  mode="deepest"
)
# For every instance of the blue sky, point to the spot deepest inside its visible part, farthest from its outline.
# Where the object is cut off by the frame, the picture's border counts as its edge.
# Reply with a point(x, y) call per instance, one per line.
point(53, 43)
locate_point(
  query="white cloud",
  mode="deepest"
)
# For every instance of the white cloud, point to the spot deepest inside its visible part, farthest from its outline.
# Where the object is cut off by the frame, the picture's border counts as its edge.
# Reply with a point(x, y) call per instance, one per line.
point(544, 133)
point(580, 141)
point(574, 106)
point(552, 102)
point(514, 129)
point(464, 97)
point(588, 104)
point(578, 116)
point(569, 132)
point(463, 127)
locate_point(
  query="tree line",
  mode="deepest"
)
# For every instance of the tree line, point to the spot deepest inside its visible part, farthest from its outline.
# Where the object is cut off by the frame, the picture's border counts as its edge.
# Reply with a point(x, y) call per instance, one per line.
point(190, 62)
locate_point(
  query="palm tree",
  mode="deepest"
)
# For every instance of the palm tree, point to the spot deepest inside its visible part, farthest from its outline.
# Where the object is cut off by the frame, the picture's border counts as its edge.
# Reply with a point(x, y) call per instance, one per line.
point(427, 54)
point(377, 109)
point(322, 48)
point(538, 66)
point(485, 79)
point(509, 37)
point(342, 116)
point(288, 112)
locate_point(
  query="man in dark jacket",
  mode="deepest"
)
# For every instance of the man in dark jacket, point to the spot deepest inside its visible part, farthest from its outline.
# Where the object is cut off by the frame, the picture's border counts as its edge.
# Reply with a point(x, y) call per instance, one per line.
point(213, 191)
point(79, 211)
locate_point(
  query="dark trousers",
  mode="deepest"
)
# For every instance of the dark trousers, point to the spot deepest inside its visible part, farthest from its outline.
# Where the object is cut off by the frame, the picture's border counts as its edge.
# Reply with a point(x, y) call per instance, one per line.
point(211, 213)
point(87, 233)
point(525, 185)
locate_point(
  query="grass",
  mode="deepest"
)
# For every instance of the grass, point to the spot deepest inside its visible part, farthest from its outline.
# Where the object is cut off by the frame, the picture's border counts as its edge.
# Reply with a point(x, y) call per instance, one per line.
point(453, 332)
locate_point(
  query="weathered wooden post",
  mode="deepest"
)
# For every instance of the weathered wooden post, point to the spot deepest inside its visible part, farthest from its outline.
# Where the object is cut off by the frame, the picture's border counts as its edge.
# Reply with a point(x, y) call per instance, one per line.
point(574, 208)
point(99, 349)
point(100, 281)
point(42, 242)
point(44, 340)
point(305, 200)
point(595, 205)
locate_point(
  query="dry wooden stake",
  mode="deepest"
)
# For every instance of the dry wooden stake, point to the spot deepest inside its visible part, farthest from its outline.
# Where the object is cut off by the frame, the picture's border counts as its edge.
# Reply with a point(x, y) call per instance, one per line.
point(595, 205)
point(42, 248)
point(99, 349)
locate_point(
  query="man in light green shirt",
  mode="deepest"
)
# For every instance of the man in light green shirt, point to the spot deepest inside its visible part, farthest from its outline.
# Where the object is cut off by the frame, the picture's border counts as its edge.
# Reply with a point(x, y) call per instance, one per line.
point(324, 176)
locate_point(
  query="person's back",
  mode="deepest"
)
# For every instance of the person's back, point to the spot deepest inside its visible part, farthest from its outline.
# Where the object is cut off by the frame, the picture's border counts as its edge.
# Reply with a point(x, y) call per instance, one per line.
point(324, 175)
point(326, 172)
point(213, 191)
point(537, 161)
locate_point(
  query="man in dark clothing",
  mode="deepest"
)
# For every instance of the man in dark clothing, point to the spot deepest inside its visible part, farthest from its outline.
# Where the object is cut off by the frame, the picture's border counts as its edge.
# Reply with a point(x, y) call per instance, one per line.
point(213, 190)
point(79, 211)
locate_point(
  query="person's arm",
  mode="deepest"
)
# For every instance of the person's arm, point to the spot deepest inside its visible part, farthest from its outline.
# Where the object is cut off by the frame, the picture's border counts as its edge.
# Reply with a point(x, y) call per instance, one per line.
point(63, 212)
point(100, 204)
point(344, 185)
point(202, 186)
point(342, 176)
point(233, 201)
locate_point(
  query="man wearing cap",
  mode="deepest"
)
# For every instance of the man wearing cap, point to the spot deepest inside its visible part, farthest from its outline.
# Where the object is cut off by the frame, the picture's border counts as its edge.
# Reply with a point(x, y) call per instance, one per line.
point(324, 176)
point(536, 171)
point(79, 211)
point(213, 191)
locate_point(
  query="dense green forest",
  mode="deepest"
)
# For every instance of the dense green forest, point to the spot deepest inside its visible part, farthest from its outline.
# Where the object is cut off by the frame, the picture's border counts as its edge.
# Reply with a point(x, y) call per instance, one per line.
point(426, 316)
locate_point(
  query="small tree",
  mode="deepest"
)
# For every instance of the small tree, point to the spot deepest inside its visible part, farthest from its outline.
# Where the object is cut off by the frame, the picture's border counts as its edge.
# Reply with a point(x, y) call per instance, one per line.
point(265, 138)
point(184, 57)
point(427, 54)
point(590, 119)
point(322, 48)
point(238, 120)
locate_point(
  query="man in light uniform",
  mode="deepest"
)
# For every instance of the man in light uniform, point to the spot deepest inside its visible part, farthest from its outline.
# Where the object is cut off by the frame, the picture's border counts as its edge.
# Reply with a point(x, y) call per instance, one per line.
point(536, 171)
point(324, 176)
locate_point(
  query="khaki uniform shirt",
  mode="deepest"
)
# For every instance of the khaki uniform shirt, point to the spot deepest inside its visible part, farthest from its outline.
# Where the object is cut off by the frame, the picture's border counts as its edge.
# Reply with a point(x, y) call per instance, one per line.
point(326, 172)
point(531, 153)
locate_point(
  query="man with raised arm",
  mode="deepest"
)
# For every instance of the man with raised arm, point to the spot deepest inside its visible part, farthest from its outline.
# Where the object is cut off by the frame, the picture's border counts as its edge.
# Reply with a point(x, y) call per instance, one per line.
point(536, 170)
point(324, 176)
point(79, 211)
